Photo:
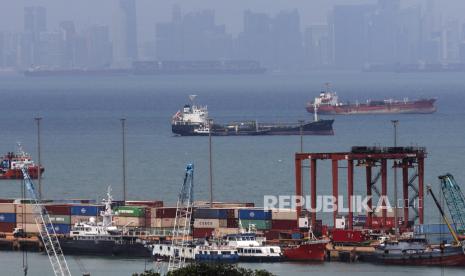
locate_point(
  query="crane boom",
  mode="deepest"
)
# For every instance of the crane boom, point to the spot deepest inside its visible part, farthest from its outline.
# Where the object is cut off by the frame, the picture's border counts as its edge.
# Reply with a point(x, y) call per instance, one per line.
point(451, 229)
point(182, 222)
point(46, 230)
point(455, 201)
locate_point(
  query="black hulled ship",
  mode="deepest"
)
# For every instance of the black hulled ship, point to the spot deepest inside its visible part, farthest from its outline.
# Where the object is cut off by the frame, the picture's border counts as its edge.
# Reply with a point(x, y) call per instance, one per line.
point(193, 120)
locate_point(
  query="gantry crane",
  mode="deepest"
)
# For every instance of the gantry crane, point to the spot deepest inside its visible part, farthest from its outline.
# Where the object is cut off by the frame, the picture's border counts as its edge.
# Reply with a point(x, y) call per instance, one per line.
point(455, 201)
point(182, 222)
point(46, 230)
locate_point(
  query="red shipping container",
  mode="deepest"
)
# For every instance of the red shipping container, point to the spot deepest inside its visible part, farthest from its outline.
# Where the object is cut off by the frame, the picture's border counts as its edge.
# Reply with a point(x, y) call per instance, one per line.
point(232, 222)
point(6, 200)
point(283, 224)
point(168, 212)
point(250, 204)
point(230, 214)
point(58, 209)
point(272, 235)
point(199, 233)
point(347, 236)
point(7, 227)
point(151, 204)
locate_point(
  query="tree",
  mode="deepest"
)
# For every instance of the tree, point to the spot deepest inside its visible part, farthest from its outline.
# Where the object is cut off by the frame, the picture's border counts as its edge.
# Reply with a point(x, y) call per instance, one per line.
point(150, 272)
point(206, 269)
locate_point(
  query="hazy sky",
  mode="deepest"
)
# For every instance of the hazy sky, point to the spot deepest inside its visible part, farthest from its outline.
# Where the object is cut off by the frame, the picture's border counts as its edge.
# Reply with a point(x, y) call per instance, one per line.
point(229, 12)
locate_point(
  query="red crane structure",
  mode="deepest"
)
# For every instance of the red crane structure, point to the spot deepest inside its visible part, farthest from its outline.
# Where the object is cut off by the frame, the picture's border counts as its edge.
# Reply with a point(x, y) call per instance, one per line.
point(375, 161)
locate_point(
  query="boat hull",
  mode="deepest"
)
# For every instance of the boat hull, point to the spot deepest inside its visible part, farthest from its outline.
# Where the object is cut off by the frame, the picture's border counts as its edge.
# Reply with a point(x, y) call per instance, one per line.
point(309, 252)
point(17, 173)
point(416, 107)
point(103, 248)
point(321, 127)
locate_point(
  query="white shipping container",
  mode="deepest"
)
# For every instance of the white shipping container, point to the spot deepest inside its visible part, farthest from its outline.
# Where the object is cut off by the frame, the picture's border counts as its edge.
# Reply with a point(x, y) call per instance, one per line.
point(25, 208)
point(77, 219)
point(28, 227)
point(284, 214)
point(210, 223)
point(129, 221)
point(7, 208)
point(25, 218)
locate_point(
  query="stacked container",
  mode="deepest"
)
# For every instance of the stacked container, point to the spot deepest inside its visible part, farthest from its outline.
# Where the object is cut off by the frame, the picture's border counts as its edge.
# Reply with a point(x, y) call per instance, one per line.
point(130, 216)
point(82, 212)
point(434, 233)
point(25, 218)
point(7, 217)
point(258, 217)
point(60, 216)
point(284, 219)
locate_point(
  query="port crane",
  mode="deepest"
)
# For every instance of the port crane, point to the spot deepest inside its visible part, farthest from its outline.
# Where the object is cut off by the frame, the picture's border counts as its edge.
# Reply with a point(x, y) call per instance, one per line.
point(182, 222)
point(455, 201)
point(444, 217)
point(46, 230)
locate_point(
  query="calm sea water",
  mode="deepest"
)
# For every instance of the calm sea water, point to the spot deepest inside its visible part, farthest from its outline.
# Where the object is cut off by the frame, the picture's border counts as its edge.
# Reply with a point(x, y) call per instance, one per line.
point(81, 139)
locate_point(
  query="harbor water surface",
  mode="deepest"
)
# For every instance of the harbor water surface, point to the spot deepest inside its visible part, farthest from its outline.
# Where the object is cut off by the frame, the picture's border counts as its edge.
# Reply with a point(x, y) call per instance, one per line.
point(81, 142)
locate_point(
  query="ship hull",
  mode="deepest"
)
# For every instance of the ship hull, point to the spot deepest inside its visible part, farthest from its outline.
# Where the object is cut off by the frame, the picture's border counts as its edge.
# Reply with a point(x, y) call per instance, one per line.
point(416, 107)
point(103, 248)
point(17, 173)
point(321, 127)
point(309, 252)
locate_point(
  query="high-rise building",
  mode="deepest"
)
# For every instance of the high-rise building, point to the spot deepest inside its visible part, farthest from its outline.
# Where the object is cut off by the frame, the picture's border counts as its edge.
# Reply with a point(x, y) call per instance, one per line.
point(98, 46)
point(69, 41)
point(35, 22)
point(317, 46)
point(35, 19)
point(125, 33)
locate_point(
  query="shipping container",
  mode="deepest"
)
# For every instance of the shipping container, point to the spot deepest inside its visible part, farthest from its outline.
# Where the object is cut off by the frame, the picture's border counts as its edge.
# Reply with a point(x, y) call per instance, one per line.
point(254, 214)
point(60, 228)
point(60, 219)
point(284, 224)
point(347, 236)
point(130, 211)
point(210, 223)
point(129, 221)
point(25, 218)
point(228, 205)
point(151, 204)
point(7, 200)
point(61, 209)
point(25, 208)
point(199, 233)
point(221, 232)
point(432, 228)
point(207, 213)
point(436, 238)
point(86, 210)
point(232, 223)
point(77, 219)
point(296, 236)
point(165, 212)
point(7, 208)
point(7, 217)
point(284, 214)
point(28, 227)
point(259, 224)
point(7, 227)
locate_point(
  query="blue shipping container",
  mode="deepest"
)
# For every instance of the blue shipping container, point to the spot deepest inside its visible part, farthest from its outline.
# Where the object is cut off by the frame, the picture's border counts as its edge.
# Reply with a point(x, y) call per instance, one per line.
point(85, 210)
point(7, 217)
point(211, 213)
point(60, 228)
point(254, 214)
point(432, 229)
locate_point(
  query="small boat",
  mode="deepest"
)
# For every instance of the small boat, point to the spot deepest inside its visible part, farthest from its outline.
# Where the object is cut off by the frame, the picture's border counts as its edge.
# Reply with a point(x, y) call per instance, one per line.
point(92, 238)
point(310, 250)
point(11, 164)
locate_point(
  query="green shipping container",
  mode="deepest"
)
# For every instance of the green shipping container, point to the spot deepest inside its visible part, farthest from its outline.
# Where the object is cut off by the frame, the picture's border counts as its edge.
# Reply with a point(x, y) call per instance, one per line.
point(60, 219)
point(130, 211)
point(259, 224)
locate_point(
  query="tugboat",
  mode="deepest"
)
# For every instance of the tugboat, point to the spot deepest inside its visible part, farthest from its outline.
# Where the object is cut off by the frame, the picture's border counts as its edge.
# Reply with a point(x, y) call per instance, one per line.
point(193, 120)
point(11, 164)
point(328, 103)
point(251, 249)
point(92, 238)
point(311, 250)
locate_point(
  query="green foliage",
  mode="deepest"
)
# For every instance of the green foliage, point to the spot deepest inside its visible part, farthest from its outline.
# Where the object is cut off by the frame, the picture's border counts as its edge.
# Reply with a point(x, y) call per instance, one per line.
point(150, 272)
point(206, 269)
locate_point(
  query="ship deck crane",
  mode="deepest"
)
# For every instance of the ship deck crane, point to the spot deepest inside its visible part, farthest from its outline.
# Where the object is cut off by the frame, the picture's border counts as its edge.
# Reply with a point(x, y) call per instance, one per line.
point(182, 222)
point(455, 201)
point(46, 230)
point(451, 229)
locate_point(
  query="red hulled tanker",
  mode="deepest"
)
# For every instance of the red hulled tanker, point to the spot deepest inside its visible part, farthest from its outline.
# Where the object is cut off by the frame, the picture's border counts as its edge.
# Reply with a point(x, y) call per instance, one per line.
point(11, 164)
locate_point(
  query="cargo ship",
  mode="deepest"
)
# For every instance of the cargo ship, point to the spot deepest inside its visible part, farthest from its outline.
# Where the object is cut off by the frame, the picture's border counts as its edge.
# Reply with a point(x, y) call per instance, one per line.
point(328, 103)
point(11, 164)
point(193, 120)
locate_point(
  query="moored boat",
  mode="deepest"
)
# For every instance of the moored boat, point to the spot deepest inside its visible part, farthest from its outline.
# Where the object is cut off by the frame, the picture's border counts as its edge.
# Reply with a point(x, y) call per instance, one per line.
point(307, 251)
point(11, 164)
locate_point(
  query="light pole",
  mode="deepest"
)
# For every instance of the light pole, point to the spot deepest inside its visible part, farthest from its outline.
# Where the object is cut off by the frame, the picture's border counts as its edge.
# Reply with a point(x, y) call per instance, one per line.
point(395, 123)
point(210, 126)
point(123, 132)
point(39, 165)
point(301, 131)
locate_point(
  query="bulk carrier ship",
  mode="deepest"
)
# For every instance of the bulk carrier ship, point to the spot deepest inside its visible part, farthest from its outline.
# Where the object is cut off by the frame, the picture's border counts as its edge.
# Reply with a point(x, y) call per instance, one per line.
point(193, 120)
point(328, 103)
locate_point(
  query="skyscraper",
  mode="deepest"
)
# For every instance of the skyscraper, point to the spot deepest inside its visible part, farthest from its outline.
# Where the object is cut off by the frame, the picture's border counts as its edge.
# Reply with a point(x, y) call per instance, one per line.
point(125, 33)
point(35, 19)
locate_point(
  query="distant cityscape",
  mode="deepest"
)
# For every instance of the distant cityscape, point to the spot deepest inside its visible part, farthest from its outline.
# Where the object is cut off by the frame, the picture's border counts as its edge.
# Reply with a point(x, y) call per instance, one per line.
point(357, 36)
